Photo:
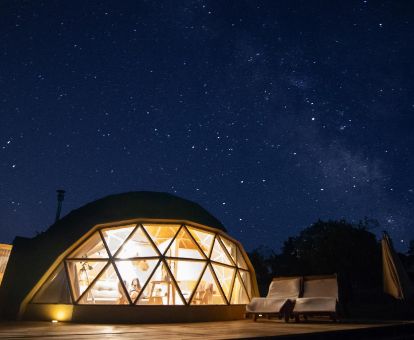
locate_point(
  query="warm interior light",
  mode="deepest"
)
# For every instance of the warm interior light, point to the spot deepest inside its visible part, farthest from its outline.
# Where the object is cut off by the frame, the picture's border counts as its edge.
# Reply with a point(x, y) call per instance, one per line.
point(158, 264)
point(55, 321)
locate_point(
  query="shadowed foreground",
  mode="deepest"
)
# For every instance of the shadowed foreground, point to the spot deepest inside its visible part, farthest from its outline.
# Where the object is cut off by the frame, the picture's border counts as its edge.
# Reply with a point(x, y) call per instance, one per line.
point(210, 330)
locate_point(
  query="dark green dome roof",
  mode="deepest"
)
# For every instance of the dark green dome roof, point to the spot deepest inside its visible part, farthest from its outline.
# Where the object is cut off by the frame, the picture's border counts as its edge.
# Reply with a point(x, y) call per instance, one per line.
point(136, 204)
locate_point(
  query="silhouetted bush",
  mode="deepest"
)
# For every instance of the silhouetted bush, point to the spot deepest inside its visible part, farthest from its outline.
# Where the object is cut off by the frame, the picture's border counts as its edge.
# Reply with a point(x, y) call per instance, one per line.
point(328, 247)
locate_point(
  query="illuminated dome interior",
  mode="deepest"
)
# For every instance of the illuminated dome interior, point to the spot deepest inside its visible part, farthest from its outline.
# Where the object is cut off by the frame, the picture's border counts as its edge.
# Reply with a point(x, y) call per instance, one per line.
point(147, 263)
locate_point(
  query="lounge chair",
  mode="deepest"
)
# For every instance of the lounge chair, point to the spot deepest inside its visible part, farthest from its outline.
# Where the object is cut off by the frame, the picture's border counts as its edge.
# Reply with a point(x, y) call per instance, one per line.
point(320, 297)
point(279, 301)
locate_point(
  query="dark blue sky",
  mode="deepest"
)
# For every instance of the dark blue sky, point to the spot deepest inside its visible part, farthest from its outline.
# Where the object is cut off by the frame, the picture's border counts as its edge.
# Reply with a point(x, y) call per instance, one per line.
point(270, 114)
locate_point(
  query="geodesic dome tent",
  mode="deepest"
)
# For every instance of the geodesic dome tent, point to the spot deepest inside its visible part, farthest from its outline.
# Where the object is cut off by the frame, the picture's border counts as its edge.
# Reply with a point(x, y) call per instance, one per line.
point(163, 266)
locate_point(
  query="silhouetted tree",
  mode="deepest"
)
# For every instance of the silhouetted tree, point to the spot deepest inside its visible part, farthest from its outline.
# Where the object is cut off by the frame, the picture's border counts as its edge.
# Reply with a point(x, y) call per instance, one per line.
point(339, 247)
point(410, 251)
point(260, 262)
point(326, 247)
point(408, 260)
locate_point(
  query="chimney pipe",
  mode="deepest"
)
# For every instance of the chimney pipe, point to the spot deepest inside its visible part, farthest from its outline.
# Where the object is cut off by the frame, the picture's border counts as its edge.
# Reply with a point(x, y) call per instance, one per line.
point(60, 198)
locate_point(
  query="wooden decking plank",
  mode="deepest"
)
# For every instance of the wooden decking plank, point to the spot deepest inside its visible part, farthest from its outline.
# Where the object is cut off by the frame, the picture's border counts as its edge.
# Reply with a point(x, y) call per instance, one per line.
point(206, 330)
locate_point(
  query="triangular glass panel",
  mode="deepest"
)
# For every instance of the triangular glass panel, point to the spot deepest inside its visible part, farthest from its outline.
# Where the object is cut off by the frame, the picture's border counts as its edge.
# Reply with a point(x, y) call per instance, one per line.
point(208, 292)
point(82, 273)
point(161, 289)
point(137, 246)
point(241, 263)
point(239, 295)
point(116, 236)
point(186, 274)
point(93, 247)
point(184, 246)
point(55, 289)
point(162, 234)
point(135, 274)
point(245, 276)
point(219, 254)
point(231, 248)
point(225, 276)
point(203, 238)
point(106, 290)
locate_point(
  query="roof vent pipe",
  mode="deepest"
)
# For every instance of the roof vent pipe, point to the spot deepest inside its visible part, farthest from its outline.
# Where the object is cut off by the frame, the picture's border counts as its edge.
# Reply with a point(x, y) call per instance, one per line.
point(60, 198)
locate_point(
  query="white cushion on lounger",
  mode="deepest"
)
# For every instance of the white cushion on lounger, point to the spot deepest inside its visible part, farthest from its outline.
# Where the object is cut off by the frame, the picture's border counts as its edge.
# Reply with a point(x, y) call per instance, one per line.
point(284, 288)
point(321, 288)
point(319, 295)
point(316, 304)
point(280, 291)
point(265, 305)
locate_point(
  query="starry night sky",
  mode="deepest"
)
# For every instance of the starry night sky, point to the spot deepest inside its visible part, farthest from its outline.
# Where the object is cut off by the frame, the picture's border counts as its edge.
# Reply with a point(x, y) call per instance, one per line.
point(270, 114)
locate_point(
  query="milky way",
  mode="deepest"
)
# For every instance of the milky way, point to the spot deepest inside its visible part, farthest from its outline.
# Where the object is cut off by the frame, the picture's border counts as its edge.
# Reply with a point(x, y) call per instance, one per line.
point(270, 114)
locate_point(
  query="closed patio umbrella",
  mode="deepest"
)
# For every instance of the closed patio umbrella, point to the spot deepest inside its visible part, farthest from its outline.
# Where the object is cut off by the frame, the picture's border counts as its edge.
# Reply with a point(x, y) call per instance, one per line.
point(396, 281)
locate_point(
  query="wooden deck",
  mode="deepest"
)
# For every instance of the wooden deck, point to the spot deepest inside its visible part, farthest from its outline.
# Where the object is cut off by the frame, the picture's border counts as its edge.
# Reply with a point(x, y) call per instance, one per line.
point(207, 330)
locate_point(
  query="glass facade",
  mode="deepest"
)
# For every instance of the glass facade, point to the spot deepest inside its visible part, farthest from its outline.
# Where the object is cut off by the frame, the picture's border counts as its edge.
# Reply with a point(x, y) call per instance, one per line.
point(151, 264)
point(5, 250)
